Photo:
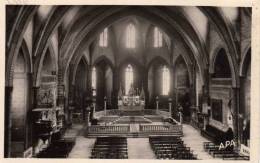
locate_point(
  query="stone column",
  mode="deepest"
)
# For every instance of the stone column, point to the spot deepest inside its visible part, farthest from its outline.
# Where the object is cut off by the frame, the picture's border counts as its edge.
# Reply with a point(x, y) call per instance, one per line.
point(180, 114)
point(235, 108)
point(105, 105)
point(206, 96)
point(242, 108)
point(61, 102)
point(145, 87)
point(116, 83)
point(61, 95)
point(87, 103)
point(71, 99)
point(172, 82)
point(89, 81)
point(34, 105)
point(192, 107)
point(157, 104)
point(170, 106)
point(29, 118)
point(94, 107)
point(7, 131)
point(205, 88)
point(34, 96)
point(87, 120)
point(193, 87)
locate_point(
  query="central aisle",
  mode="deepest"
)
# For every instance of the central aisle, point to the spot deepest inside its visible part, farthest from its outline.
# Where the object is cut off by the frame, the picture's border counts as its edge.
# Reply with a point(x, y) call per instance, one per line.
point(139, 148)
point(194, 140)
point(82, 148)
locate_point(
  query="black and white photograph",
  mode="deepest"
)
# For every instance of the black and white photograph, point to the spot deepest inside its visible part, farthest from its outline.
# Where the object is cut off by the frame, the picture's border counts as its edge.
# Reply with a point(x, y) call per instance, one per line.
point(127, 82)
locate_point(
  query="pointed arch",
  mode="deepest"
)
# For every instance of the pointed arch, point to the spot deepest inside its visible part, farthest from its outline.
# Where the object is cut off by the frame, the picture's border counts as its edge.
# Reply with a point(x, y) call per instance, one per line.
point(132, 60)
point(187, 62)
point(221, 66)
point(85, 61)
point(181, 59)
point(38, 65)
point(105, 59)
point(198, 50)
point(28, 62)
point(158, 59)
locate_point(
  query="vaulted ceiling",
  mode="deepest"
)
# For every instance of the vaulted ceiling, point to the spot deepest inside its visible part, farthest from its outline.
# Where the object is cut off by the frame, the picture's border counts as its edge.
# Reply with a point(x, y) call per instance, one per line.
point(72, 30)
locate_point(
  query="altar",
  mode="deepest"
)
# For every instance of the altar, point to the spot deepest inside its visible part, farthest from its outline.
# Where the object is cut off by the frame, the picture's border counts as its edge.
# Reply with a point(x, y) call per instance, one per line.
point(130, 103)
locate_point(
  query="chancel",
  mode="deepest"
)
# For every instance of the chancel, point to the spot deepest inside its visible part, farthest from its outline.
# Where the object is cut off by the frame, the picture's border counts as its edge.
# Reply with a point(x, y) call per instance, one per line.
point(127, 82)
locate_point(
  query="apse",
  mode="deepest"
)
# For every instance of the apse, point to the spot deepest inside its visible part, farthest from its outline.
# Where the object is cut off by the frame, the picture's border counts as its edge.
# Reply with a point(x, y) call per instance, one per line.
point(130, 77)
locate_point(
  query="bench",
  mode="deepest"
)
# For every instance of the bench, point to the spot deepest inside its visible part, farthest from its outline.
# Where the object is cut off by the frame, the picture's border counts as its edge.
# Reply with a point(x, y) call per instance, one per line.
point(167, 147)
point(110, 148)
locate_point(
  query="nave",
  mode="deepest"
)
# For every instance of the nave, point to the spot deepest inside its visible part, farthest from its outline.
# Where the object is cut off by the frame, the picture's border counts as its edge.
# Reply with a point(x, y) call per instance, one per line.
point(82, 78)
point(152, 147)
point(140, 148)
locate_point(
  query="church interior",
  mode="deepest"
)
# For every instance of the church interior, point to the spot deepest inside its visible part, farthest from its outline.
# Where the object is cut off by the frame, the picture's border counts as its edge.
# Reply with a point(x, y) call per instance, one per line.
point(127, 82)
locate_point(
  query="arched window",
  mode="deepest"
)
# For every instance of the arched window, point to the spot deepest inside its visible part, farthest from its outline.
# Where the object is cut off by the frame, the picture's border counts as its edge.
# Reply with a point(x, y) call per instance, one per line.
point(157, 38)
point(130, 36)
point(129, 78)
point(94, 80)
point(165, 81)
point(103, 38)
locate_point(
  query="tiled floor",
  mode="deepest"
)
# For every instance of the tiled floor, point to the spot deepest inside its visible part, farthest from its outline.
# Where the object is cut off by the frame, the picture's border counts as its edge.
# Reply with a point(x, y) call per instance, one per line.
point(139, 148)
point(194, 140)
point(82, 148)
point(74, 131)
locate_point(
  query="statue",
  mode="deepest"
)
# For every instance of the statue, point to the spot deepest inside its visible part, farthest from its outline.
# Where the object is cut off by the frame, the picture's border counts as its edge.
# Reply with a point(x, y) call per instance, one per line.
point(131, 91)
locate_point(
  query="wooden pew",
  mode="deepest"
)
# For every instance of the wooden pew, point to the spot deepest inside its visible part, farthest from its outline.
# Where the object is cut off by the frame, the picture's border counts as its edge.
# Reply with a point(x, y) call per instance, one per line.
point(167, 147)
point(110, 148)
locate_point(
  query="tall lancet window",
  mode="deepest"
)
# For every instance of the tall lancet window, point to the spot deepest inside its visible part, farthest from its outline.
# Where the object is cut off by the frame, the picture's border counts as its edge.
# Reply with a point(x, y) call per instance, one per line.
point(130, 36)
point(165, 81)
point(94, 80)
point(157, 38)
point(129, 78)
point(103, 38)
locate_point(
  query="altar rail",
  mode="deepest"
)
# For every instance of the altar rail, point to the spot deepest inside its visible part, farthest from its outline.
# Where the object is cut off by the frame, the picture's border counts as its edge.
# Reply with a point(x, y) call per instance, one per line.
point(161, 128)
point(109, 129)
point(143, 131)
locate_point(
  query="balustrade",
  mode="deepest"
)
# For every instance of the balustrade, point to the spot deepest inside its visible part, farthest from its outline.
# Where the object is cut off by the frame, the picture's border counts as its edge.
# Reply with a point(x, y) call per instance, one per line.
point(109, 129)
point(143, 128)
point(166, 128)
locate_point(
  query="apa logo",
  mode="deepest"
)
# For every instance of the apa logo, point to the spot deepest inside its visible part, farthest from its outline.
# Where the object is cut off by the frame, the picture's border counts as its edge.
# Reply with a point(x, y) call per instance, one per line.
point(227, 144)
